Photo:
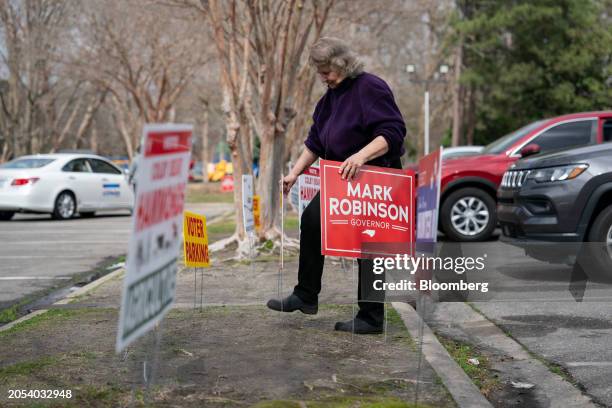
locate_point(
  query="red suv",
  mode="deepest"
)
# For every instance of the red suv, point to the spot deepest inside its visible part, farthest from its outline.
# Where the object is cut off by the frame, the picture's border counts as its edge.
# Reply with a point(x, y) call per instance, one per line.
point(469, 184)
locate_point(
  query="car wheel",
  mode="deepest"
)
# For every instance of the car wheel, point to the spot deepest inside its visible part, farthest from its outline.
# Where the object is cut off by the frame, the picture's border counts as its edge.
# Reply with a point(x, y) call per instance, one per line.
point(597, 259)
point(65, 206)
point(6, 215)
point(468, 215)
point(88, 214)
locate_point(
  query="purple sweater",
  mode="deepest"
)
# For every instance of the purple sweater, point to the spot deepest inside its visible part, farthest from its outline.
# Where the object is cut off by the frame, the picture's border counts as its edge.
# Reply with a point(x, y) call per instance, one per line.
point(353, 114)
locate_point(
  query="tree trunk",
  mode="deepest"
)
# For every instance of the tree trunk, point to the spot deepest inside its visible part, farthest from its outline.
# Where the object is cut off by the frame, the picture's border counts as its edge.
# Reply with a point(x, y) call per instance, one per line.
point(420, 142)
point(5, 153)
point(457, 91)
point(270, 173)
point(57, 143)
point(204, 151)
point(241, 164)
point(88, 119)
point(127, 138)
point(93, 140)
point(471, 123)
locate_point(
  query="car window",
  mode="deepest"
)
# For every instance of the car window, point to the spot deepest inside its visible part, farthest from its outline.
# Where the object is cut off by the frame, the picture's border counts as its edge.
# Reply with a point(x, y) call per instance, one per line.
point(100, 166)
point(26, 163)
point(504, 143)
point(607, 130)
point(565, 135)
point(77, 166)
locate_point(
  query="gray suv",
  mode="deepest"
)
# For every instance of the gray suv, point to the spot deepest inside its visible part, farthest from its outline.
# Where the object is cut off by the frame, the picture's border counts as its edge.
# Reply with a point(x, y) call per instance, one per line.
point(555, 205)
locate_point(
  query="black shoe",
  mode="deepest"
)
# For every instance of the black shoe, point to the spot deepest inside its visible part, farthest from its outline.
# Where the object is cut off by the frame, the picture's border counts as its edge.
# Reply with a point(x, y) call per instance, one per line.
point(361, 327)
point(292, 303)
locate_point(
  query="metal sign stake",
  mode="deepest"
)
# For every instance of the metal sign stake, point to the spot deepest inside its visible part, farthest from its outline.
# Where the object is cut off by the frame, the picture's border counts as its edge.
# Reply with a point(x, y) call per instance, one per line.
point(282, 247)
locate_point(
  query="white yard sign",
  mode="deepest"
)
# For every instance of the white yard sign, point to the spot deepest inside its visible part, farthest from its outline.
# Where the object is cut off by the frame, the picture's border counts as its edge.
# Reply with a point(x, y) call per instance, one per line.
point(247, 204)
point(157, 225)
point(309, 184)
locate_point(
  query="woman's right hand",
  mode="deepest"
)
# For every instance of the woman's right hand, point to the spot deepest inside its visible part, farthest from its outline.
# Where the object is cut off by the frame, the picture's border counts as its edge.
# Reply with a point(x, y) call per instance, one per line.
point(288, 182)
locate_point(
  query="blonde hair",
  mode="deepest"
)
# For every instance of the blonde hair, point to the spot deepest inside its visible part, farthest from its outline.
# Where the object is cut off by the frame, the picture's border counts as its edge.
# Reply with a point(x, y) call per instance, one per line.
point(334, 53)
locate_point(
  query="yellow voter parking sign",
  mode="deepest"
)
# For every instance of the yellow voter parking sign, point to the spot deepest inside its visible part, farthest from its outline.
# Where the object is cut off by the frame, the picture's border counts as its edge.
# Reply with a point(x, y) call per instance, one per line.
point(257, 212)
point(195, 240)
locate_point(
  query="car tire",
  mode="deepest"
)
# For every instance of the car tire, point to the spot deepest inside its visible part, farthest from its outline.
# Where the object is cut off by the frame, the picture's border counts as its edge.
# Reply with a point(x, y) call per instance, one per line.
point(6, 215)
point(65, 206)
point(468, 215)
point(596, 259)
point(87, 214)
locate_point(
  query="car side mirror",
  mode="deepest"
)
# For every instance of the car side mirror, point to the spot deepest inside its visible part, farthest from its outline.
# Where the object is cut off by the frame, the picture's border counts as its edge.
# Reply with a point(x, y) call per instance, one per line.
point(530, 150)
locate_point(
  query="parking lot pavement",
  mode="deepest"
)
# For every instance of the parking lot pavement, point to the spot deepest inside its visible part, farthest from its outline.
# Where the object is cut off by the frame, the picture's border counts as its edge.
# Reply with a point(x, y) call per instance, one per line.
point(573, 335)
point(38, 253)
point(537, 304)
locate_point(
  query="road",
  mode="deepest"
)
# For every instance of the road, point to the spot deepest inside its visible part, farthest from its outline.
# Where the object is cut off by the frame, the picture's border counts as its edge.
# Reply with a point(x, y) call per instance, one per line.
point(38, 253)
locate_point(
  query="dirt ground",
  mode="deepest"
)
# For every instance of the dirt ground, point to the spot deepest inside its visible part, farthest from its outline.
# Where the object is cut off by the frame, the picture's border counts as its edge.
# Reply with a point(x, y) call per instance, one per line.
point(234, 352)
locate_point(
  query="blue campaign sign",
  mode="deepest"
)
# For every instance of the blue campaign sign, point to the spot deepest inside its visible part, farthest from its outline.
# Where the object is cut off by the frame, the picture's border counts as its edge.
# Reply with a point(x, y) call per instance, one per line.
point(428, 197)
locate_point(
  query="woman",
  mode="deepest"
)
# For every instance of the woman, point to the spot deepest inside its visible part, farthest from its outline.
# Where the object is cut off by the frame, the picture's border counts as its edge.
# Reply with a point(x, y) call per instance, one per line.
point(356, 122)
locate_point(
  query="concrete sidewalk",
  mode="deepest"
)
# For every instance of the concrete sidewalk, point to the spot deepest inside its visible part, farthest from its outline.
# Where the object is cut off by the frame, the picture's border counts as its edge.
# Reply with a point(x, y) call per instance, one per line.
point(232, 352)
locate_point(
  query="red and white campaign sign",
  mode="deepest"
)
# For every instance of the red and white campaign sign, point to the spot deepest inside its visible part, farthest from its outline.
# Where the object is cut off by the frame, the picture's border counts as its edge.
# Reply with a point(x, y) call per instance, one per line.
point(309, 185)
point(157, 225)
point(373, 214)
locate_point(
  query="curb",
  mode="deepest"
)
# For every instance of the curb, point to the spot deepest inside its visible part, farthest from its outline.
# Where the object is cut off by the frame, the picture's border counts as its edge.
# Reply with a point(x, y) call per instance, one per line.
point(456, 381)
point(81, 291)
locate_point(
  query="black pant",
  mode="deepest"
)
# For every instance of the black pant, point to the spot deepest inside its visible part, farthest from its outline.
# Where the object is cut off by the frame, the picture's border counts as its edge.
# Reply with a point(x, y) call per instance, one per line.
point(311, 266)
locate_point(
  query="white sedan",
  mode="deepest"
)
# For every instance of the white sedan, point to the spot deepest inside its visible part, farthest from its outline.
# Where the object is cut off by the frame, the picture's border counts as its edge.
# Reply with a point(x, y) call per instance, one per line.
point(62, 185)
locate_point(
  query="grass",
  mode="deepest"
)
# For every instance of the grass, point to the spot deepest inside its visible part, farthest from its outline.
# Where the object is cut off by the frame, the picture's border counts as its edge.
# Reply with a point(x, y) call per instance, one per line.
point(51, 314)
point(291, 222)
point(395, 320)
point(223, 227)
point(228, 226)
point(197, 196)
point(479, 374)
point(26, 368)
point(343, 402)
point(9, 314)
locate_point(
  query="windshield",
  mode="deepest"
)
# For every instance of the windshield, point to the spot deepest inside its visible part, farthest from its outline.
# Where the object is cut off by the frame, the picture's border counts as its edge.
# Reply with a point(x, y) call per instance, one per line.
point(503, 143)
point(26, 163)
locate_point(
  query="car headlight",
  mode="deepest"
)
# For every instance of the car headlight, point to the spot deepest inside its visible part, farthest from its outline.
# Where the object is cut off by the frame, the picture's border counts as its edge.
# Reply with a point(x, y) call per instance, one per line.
point(557, 173)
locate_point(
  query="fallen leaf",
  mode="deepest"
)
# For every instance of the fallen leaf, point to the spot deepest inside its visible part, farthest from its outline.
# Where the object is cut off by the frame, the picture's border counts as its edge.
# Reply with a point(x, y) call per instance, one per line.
point(522, 385)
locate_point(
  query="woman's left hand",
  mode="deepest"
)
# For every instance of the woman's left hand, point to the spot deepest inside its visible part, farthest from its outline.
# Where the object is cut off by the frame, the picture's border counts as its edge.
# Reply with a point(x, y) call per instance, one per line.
point(350, 167)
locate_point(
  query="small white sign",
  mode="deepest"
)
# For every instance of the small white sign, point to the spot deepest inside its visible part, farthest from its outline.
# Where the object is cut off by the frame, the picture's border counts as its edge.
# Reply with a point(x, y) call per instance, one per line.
point(157, 227)
point(247, 204)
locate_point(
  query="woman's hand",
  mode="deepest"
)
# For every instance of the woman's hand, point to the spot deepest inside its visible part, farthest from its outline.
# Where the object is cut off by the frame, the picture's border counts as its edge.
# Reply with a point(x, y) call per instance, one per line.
point(288, 181)
point(351, 166)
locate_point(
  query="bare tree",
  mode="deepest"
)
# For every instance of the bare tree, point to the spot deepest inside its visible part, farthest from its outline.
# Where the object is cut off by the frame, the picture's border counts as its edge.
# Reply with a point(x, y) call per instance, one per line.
point(389, 34)
point(283, 84)
point(143, 69)
point(260, 50)
point(37, 103)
